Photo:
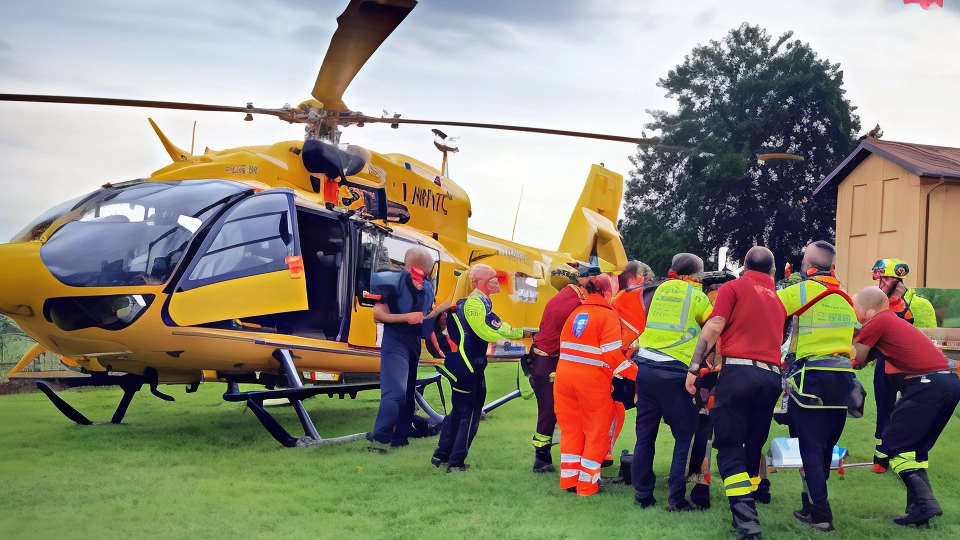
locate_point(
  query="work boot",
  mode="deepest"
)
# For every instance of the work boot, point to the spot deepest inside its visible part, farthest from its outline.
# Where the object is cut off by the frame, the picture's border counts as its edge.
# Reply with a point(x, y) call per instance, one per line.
point(924, 506)
point(700, 496)
point(762, 494)
point(821, 517)
point(880, 463)
point(438, 458)
point(457, 468)
point(543, 462)
point(645, 502)
point(745, 518)
point(683, 506)
point(803, 514)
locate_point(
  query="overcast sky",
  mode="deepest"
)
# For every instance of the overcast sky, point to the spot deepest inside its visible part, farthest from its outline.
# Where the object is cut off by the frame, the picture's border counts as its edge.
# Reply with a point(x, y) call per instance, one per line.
point(584, 65)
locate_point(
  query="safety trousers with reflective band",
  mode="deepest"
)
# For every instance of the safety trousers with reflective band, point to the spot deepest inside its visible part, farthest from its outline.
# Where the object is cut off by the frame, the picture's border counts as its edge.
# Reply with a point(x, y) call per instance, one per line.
point(542, 441)
point(739, 485)
point(584, 413)
point(906, 461)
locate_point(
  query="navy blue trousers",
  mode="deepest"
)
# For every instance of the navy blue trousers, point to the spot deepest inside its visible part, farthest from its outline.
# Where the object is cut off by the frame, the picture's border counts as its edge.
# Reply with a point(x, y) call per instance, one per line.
point(744, 400)
point(461, 424)
point(662, 393)
point(921, 414)
point(818, 430)
point(399, 358)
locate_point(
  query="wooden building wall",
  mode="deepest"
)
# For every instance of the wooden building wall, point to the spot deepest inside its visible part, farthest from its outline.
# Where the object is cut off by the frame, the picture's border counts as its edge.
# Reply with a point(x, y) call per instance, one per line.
point(882, 212)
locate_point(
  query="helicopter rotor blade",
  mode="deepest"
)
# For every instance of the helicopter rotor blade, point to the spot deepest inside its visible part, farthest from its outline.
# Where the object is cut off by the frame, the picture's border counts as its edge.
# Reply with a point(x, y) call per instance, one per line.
point(284, 114)
point(601, 136)
point(362, 27)
point(80, 100)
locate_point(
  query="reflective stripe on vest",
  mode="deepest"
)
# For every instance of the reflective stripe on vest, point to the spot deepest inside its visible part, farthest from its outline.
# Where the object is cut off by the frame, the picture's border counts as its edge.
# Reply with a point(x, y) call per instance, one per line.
point(683, 332)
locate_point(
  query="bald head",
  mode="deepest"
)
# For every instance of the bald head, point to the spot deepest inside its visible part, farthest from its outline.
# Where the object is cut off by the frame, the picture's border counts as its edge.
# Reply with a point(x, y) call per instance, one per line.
point(480, 272)
point(484, 279)
point(760, 259)
point(418, 256)
point(820, 255)
point(872, 298)
point(687, 264)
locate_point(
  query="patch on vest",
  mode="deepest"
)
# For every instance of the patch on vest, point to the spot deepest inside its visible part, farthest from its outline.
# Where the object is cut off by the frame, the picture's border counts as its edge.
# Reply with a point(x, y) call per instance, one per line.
point(580, 324)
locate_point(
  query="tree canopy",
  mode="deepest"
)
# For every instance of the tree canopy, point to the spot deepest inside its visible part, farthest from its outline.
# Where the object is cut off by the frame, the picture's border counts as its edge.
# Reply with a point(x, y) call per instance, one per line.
point(704, 187)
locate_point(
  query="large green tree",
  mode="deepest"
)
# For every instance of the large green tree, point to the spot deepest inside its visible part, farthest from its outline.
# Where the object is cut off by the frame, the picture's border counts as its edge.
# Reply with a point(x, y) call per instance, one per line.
point(704, 187)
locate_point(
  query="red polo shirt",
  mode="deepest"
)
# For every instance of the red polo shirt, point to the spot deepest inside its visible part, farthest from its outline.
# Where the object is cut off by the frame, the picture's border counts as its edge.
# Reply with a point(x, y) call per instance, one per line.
point(555, 313)
point(906, 348)
point(755, 317)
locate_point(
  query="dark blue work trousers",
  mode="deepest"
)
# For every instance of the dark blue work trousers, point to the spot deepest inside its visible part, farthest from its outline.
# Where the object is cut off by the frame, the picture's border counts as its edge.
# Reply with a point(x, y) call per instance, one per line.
point(885, 390)
point(399, 358)
point(744, 400)
point(662, 393)
point(921, 414)
point(818, 429)
point(461, 424)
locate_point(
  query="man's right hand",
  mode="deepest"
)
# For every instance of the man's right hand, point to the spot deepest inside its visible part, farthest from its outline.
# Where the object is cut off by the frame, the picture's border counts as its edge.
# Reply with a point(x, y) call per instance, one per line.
point(414, 318)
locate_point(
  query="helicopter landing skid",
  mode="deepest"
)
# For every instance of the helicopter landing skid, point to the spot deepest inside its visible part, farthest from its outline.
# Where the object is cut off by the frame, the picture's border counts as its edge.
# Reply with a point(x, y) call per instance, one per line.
point(296, 392)
point(131, 383)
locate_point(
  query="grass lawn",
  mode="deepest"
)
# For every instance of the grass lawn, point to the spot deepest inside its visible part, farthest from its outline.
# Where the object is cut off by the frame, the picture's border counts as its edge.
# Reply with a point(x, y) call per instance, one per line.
point(204, 468)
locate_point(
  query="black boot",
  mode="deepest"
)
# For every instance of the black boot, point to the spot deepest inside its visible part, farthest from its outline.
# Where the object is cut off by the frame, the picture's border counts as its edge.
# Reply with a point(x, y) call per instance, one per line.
point(745, 518)
point(803, 514)
point(762, 494)
point(925, 506)
point(700, 496)
point(543, 462)
point(821, 517)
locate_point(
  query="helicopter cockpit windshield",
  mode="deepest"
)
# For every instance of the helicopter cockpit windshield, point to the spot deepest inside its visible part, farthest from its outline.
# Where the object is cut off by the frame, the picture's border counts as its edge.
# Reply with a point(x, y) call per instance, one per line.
point(135, 235)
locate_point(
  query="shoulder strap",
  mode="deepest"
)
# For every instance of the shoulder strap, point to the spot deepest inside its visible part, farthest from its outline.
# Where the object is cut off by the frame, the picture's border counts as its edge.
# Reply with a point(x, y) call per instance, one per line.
point(819, 297)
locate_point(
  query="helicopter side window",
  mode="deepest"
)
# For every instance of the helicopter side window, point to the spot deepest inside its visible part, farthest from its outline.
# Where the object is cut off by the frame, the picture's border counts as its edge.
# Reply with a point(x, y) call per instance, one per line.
point(256, 238)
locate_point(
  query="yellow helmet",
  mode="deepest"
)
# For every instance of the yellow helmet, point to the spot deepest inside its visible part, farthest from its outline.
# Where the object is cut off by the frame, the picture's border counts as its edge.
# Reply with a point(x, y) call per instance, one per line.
point(894, 268)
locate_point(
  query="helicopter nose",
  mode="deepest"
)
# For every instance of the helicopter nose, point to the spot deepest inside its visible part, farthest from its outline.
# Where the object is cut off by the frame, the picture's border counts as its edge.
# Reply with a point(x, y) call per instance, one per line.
point(26, 281)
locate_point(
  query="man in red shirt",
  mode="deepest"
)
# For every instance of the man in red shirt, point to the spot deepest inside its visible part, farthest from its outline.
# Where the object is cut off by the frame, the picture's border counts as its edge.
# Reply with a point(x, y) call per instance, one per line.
point(544, 357)
point(749, 318)
point(931, 393)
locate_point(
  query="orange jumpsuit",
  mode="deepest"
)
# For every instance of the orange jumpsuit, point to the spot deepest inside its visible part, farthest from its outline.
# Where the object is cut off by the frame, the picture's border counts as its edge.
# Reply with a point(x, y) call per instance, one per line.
point(590, 356)
point(628, 304)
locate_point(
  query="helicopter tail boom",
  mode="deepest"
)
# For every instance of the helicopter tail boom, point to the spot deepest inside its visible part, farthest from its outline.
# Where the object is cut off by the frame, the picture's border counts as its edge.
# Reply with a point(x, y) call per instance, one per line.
point(592, 228)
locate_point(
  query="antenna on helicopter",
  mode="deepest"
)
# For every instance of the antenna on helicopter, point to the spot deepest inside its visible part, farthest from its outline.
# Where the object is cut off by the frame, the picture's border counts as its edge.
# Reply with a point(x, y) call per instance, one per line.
point(517, 214)
point(445, 144)
point(193, 137)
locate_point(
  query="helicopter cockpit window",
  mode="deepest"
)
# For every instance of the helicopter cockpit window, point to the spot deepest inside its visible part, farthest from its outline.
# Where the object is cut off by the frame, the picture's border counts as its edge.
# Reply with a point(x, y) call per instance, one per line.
point(135, 235)
point(37, 227)
point(255, 238)
point(388, 254)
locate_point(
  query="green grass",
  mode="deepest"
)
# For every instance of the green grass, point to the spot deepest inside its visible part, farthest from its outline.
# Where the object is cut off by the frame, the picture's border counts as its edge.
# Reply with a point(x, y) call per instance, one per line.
point(203, 468)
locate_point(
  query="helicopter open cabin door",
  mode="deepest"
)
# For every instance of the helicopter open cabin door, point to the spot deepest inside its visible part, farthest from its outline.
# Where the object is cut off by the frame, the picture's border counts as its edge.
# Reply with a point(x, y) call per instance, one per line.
point(249, 265)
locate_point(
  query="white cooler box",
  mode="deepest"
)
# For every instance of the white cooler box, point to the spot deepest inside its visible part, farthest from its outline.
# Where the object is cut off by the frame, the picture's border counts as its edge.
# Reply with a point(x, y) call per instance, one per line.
point(785, 454)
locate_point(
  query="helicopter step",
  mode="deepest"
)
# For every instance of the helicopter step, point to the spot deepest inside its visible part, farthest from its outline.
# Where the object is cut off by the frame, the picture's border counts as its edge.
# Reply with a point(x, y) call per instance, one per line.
point(297, 392)
point(131, 383)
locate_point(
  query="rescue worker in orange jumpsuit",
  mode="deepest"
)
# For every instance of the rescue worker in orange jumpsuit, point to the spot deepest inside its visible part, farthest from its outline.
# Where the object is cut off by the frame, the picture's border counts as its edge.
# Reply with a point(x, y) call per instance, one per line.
point(628, 303)
point(590, 357)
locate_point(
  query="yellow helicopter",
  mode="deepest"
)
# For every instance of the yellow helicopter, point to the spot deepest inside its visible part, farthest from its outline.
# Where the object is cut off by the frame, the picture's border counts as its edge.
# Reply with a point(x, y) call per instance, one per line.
point(255, 264)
